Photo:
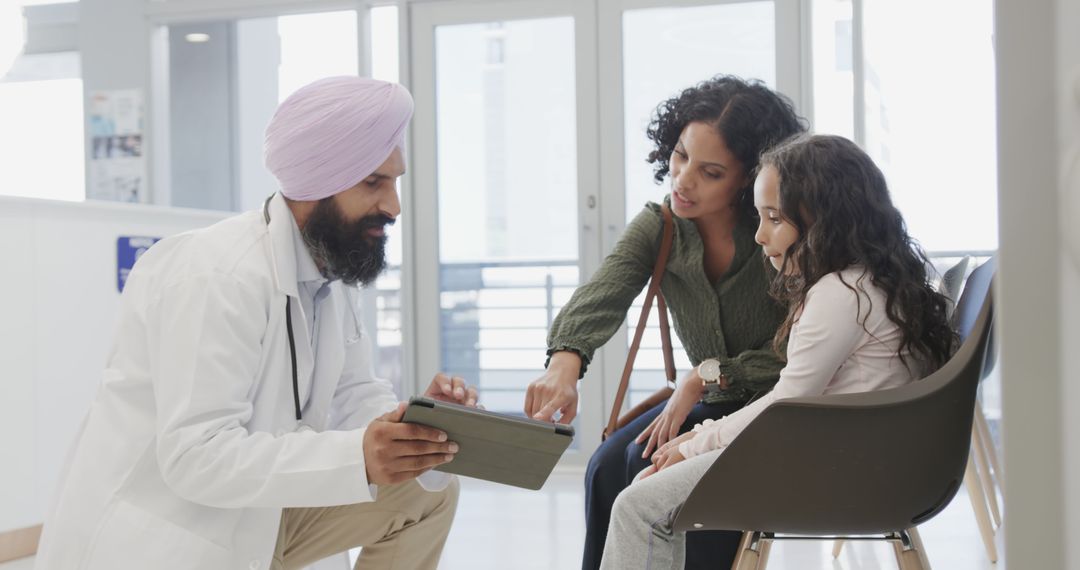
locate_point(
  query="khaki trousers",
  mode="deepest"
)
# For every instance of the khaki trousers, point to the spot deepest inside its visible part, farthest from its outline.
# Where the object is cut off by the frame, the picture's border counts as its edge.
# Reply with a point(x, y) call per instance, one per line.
point(404, 528)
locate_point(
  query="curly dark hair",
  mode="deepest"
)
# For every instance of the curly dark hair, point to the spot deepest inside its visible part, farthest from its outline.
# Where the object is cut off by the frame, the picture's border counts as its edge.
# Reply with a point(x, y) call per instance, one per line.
point(749, 116)
point(837, 198)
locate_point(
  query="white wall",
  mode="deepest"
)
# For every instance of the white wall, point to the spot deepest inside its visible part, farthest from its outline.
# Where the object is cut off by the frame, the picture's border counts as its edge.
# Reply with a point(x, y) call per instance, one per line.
point(1068, 120)
point(1039, 314)
point(60, 298)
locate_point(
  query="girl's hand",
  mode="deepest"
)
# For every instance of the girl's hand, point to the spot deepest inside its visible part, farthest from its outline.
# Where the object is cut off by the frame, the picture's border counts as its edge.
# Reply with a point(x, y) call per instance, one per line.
point(675, 443)
point(666, 426)
point(667, 456)
point(671, 457)
point(661, 460)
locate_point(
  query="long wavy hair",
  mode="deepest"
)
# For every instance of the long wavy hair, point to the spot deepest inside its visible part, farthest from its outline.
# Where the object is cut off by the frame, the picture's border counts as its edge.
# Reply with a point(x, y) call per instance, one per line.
point(748, 115)
point(837, 198)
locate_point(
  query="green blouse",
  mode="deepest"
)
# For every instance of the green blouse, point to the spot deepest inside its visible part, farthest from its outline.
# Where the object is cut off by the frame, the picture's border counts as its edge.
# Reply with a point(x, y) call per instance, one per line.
point(733, 320)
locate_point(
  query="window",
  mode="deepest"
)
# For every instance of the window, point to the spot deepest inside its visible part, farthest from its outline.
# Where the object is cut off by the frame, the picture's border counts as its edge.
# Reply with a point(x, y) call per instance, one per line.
point(507, 171)
point(833, 89)
point(226, 79)
point(314, 46)
point(41, 108)
point(923, 110)
point(383, 310)
point(385, 59)
point(930, 117)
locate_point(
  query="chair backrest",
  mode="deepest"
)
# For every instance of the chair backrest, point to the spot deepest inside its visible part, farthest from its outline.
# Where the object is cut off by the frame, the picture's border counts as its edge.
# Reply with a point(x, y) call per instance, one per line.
point(864, 463)
point(967, 310)
point(975, 289)
point(952, 282)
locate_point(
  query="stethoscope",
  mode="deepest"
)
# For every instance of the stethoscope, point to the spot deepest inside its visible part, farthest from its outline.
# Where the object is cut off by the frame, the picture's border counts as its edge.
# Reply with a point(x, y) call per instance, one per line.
point(288, 328)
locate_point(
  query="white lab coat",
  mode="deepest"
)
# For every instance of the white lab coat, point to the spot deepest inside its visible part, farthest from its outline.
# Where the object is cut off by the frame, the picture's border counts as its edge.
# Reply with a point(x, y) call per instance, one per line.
point(191, 447)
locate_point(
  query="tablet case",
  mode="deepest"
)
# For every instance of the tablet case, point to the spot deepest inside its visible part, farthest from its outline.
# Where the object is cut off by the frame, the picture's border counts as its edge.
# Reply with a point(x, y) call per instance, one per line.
point(494, 447)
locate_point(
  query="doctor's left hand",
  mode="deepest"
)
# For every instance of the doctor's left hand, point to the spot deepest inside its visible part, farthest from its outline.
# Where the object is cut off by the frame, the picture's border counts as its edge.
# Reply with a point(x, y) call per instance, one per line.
point(452, 389)
point(395, 452)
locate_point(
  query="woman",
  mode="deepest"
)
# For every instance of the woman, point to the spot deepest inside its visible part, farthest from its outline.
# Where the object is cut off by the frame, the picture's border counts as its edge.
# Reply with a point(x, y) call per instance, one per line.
point(708, 138)
point(862, 316)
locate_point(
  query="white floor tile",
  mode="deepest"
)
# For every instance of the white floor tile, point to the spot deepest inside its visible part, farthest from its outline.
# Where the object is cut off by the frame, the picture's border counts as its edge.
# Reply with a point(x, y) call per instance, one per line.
point(501, 527)
point(20, 564)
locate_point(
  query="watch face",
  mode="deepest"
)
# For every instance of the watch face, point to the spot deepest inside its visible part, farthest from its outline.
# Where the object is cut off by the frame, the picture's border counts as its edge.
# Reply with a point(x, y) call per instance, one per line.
point(709, 370)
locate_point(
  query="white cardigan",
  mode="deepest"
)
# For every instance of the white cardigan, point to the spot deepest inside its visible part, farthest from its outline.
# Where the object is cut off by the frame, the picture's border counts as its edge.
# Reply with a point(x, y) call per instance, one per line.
point(830, 351)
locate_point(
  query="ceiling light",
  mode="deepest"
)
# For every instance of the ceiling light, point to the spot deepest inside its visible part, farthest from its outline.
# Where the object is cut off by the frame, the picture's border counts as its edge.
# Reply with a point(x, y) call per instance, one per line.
point(197, 38)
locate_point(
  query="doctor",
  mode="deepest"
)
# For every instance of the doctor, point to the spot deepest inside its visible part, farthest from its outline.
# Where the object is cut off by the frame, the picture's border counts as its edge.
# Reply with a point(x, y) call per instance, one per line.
point(238, 423)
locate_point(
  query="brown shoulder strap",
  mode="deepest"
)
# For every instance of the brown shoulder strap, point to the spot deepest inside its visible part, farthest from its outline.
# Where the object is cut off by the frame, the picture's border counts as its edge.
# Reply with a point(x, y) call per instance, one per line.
point(665, 334)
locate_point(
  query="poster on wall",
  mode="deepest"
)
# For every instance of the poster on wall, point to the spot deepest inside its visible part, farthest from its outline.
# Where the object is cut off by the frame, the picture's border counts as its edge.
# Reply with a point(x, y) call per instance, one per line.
point(128, 250)
point(117, 164)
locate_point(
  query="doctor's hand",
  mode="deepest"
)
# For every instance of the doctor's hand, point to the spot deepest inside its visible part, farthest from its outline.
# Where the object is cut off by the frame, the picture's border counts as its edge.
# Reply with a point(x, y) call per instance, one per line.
point(556, 390)
point(395, 452)
point(452, 389)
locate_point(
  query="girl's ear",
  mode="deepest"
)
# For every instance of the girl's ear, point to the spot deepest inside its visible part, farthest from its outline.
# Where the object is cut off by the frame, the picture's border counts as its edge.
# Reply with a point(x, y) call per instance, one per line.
point(807, 219)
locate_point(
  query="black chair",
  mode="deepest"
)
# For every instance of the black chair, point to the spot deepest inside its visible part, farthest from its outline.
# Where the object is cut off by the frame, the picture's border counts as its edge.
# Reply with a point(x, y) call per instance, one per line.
point(952, 281)
point(873, 463)
point(982, 487)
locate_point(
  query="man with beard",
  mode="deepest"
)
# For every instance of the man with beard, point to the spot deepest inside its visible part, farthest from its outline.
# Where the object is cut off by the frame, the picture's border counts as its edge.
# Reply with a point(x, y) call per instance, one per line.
point(238, 423)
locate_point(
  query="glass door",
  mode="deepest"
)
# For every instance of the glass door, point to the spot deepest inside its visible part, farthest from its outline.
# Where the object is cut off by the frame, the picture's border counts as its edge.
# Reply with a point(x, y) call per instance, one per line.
point(528, 153)
point(504, 192)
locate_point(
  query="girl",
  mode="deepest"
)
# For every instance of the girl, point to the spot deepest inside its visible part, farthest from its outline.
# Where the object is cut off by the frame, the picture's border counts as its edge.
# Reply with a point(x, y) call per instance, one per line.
point(862, 316)
point(708, 138)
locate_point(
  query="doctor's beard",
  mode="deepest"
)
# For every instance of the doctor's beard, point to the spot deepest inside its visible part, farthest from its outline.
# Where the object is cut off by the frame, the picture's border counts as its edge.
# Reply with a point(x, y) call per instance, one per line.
point(343, 249)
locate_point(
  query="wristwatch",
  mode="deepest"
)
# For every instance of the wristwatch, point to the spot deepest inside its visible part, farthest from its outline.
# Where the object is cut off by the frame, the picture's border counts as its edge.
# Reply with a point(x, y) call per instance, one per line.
point(712, 377)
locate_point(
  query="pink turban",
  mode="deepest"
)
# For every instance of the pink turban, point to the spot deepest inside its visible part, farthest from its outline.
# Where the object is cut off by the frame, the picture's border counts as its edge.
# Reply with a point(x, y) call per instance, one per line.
point(332, 134)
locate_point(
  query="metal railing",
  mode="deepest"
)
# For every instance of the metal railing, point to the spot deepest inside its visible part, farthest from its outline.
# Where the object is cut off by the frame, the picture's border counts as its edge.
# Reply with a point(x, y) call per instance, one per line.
point(495, 317)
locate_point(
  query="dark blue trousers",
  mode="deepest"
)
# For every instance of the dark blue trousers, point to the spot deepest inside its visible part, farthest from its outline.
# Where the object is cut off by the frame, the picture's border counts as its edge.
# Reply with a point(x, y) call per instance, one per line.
point(613, 467)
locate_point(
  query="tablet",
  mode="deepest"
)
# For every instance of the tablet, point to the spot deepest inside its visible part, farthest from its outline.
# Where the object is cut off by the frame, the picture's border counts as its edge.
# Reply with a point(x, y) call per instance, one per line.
point(494, 447)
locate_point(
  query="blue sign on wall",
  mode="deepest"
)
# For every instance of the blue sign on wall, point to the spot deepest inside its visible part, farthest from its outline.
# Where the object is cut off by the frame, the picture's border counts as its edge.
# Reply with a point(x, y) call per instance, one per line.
point(128, 251)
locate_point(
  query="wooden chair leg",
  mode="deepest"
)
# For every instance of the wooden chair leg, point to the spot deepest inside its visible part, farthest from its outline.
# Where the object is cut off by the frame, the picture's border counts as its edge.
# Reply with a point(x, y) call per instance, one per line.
point(765, 548)
point(978, 449)
point(908, 558)
point(917, 543)
point(898, 549)
point(978, 504)
point(747, 558)
point(975, 487)
point(988, 442)
point(837, 546)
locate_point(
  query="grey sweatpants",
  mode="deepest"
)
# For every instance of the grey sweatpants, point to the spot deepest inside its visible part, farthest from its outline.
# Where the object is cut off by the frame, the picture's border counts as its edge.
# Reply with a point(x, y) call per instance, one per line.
point(640, 534)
